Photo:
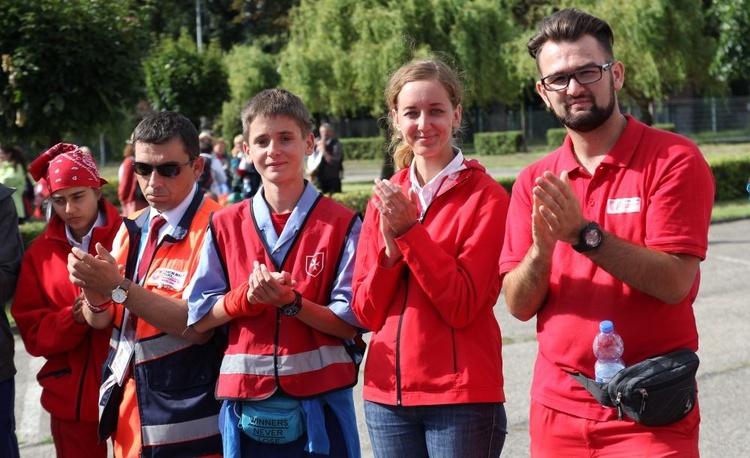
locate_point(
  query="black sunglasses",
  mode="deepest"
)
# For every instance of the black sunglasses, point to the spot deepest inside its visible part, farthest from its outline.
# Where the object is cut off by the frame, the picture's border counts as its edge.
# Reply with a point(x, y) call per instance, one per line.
point(168, 169)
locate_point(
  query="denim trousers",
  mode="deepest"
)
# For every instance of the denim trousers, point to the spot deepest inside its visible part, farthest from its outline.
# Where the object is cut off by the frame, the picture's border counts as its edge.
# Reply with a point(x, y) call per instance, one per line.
point(8, 441)
point(439, 431)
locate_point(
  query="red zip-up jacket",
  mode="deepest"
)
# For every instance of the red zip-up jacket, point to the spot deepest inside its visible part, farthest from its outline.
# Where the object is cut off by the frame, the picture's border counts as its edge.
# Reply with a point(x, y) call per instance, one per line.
point(42, 306)
point(435, 337)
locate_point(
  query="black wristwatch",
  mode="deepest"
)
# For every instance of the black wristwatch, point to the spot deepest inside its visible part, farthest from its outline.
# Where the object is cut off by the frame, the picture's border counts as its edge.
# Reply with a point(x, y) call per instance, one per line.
point(293, 307)
point(590, 238)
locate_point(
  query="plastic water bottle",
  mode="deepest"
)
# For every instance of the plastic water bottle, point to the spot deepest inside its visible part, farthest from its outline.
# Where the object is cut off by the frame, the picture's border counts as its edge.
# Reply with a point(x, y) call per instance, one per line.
point(608, 349)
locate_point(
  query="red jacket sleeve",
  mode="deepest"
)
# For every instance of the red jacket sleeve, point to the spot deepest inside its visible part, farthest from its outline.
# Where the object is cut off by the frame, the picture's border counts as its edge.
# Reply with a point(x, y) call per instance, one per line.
point(42, 307)
point(373, 285)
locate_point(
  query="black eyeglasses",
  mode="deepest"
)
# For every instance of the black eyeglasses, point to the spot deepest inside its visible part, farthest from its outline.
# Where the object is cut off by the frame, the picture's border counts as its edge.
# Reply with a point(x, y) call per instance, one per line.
point(585, 75)
point(168, 169)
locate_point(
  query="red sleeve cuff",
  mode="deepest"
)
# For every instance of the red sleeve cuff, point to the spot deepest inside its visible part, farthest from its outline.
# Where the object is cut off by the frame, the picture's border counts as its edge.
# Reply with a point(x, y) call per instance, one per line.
point(236, 304)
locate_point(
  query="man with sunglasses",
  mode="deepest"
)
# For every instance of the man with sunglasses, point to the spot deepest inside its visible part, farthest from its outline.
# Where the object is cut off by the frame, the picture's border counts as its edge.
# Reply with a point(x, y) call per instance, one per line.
point(610, 226)
point(157, 394)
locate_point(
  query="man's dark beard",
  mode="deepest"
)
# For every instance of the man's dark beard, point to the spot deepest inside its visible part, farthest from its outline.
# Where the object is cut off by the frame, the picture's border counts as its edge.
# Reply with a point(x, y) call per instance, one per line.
point(586, 122)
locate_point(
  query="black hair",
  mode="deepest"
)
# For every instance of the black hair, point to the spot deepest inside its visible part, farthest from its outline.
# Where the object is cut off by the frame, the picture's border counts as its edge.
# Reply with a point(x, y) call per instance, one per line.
point(163, 127)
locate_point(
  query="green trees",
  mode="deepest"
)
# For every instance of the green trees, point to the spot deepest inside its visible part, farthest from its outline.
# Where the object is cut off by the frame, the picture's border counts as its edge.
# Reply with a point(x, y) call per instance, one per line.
point(67, 65)
point(179, 78)
point(76, 66)
point(250, 71)
point(732, 59)
point(341, 52)
point(663, 45)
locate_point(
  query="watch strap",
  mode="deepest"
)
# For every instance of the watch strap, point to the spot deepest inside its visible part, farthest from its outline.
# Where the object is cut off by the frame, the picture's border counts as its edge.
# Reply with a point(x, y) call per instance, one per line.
point(125, 285)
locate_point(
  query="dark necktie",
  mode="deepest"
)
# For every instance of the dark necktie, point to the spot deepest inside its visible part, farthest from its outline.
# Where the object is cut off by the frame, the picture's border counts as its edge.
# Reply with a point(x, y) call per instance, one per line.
point(153, 238)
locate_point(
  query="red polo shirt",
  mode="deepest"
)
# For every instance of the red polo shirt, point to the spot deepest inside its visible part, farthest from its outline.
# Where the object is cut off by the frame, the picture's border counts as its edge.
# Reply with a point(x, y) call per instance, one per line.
point(653, 189)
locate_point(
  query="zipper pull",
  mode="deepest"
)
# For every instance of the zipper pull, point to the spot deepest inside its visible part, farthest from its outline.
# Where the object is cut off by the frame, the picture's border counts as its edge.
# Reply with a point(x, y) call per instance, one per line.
point(618, 403)
point(644, 395)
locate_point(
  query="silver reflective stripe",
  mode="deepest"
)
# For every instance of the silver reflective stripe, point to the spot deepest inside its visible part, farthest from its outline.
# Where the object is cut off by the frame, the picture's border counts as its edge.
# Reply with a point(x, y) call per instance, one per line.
point(149, 349)
point(180, 432)
point(288, 365)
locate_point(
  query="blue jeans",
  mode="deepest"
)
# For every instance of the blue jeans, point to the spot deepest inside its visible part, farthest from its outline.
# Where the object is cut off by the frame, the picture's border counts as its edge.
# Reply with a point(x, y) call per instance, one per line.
point(8, 441)
point(440, 431)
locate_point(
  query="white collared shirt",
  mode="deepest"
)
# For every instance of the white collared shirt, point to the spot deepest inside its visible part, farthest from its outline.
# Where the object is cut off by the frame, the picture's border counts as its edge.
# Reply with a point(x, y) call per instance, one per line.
point(173, 217)
point(435, 187)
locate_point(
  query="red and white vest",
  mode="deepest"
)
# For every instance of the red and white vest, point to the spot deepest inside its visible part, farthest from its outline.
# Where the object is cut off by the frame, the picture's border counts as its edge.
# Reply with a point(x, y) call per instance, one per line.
point(270, 350)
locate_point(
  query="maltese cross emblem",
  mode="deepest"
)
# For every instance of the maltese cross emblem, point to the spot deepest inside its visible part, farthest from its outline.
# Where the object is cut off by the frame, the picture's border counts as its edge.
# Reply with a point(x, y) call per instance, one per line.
point(314, 264)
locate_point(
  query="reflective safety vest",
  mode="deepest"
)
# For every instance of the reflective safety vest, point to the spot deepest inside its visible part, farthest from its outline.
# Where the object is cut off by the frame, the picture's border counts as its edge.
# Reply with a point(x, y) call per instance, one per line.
point(175, 378)
point(271, 351)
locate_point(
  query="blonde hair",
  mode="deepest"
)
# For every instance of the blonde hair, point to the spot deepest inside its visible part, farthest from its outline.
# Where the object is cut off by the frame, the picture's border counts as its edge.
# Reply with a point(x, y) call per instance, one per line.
point(417, 70)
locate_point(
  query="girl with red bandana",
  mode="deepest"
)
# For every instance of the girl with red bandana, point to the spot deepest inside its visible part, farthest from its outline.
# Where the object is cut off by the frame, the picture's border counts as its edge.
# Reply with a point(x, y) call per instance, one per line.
point(48, 308)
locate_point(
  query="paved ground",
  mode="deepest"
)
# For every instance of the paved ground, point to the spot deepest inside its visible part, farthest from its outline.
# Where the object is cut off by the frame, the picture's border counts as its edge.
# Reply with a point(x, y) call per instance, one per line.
point(723, 321)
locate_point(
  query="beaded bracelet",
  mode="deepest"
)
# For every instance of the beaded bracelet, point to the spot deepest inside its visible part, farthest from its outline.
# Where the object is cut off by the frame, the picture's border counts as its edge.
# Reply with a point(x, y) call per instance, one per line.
point(97, 308)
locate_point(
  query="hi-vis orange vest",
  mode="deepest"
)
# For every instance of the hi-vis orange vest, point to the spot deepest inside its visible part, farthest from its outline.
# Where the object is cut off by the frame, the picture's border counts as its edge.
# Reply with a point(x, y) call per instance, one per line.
point(270, 350)
point(175, 378)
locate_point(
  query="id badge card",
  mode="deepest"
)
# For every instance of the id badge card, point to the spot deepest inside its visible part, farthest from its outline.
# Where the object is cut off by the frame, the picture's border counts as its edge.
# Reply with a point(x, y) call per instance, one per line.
point(125, 348)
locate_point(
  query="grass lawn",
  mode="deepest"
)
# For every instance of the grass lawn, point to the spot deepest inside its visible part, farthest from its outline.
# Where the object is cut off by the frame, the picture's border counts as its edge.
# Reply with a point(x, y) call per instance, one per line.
point(731, 210)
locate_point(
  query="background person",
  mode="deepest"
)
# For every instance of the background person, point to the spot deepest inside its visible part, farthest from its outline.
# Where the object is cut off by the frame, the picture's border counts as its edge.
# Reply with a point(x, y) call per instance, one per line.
point(246, 178)
point(213, 179)
point(326, 164)
point(425, 283)
point(13, 174)
point(220, 153)
point(157, 394)
point(48, 311)
point(610, 226)
point(284, 290)
point(128, 192)
point(11, 252)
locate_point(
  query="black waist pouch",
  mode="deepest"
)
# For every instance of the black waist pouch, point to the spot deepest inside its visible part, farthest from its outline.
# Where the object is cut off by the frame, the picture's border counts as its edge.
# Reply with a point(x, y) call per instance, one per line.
point(655, 392)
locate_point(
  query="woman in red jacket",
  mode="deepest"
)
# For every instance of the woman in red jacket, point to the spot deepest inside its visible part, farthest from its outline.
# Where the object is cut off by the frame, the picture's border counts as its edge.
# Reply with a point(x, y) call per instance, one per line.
point(426, 281)
point(47, 306)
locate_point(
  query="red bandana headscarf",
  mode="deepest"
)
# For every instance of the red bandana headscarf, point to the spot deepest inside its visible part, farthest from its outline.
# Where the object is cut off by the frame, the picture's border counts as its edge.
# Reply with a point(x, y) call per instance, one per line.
point(66, 166)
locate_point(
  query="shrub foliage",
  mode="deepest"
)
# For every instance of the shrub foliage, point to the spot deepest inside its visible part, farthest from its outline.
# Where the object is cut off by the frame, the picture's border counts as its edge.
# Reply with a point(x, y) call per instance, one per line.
point(498, 143)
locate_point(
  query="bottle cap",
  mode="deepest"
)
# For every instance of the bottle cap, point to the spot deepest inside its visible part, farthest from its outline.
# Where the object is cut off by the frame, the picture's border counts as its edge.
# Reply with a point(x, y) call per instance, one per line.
point(606, 326)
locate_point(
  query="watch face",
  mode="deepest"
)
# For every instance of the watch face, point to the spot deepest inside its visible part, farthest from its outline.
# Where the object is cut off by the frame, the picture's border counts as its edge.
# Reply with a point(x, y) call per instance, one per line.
point(119, 295)
point(593, 237)
point(290, 310)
